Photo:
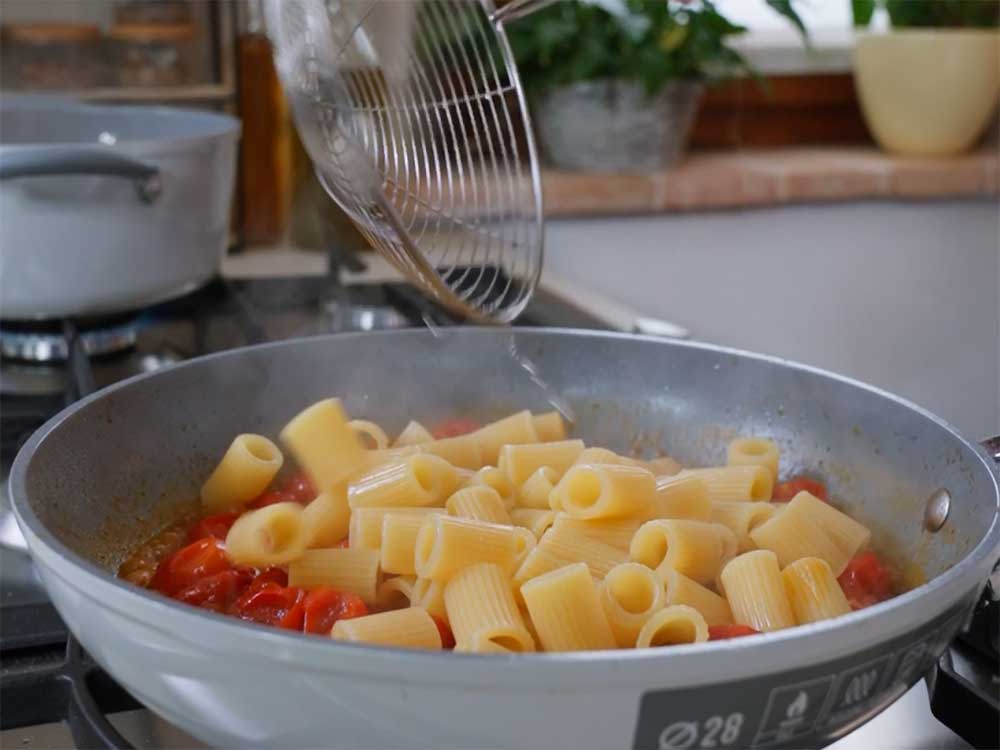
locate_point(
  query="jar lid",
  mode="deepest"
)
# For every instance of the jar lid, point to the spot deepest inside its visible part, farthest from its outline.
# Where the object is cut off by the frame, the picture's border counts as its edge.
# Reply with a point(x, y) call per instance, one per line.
point(47, 33)
point(152, 32)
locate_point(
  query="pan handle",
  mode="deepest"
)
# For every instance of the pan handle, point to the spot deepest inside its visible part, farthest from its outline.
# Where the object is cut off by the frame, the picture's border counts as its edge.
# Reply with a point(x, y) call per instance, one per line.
point(956, 683)
point(82, 160)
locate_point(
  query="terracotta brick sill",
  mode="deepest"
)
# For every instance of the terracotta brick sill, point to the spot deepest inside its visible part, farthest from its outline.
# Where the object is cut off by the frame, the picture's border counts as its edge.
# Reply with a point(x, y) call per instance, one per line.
point(747, 179)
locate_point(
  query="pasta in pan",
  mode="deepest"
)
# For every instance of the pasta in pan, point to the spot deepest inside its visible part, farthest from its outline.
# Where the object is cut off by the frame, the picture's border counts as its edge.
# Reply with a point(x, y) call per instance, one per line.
point(509, 538)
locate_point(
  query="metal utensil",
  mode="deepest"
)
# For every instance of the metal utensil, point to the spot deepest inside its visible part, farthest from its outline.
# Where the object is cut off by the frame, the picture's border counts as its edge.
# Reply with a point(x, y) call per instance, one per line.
point(416, 123)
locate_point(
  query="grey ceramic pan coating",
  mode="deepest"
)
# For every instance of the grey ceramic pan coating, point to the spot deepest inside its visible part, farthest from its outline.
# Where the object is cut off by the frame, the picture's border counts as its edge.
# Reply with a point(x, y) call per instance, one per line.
point(90, 484)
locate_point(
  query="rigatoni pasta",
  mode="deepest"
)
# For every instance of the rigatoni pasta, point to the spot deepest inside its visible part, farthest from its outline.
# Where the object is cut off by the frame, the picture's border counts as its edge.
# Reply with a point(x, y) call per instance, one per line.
point(566, 609)
point(354, 570)
point(247, 468)
point(510, 538)
point(412, 627)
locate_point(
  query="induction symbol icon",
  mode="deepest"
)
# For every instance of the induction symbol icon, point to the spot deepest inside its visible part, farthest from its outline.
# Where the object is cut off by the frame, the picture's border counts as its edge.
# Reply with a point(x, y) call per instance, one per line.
point(798, 706)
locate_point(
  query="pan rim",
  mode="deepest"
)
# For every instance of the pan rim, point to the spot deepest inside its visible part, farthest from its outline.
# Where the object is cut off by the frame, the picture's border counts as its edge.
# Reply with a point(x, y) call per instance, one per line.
point(304, 645)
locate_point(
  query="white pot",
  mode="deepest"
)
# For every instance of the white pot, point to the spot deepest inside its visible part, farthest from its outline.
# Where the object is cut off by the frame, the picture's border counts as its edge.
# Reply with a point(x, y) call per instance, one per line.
point(928, 91)
point(104, 209)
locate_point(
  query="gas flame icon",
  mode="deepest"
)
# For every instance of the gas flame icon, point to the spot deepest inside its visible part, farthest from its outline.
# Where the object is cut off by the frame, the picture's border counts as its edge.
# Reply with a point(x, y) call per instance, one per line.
point(798, 706)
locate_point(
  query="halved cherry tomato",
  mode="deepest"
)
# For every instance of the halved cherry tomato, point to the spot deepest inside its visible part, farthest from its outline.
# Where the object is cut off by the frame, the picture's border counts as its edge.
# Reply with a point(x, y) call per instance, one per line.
point(787, 490)
point(722, 632)
point(324, 606)
point(271, 575)
point(866, 581)
point(298, 487)
point(344, 543)
point(269, 497)
point(455, 427)
point(216, 592)
point(189, 564)
point(447, 637)
point(272, 604)
point(212, 526)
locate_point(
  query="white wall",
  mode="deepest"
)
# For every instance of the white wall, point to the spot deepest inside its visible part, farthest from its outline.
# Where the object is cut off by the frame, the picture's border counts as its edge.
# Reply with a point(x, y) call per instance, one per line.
point(902, 295)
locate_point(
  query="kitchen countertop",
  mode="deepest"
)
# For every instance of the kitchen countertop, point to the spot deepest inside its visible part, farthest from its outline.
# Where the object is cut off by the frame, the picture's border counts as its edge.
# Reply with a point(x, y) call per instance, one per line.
point(768, 177)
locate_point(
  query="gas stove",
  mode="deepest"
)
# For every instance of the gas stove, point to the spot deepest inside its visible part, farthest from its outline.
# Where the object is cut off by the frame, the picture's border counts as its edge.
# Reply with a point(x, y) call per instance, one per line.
point(51, 694)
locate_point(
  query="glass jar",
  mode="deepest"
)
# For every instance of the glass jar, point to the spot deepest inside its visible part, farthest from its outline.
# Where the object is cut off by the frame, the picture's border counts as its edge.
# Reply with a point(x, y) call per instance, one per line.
point(53, 55)
point(153, 54)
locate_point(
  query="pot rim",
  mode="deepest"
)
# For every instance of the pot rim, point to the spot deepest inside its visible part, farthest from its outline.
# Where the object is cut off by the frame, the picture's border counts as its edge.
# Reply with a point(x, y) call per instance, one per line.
point(199, 626)
point(213, 126)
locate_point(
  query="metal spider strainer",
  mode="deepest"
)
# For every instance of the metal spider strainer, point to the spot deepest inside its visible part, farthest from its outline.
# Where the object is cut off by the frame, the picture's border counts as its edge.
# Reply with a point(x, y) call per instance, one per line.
point(414, 117)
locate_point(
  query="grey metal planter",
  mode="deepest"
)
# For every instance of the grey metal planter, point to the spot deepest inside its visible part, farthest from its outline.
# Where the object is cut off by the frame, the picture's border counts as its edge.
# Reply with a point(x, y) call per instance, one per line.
point(612, 126)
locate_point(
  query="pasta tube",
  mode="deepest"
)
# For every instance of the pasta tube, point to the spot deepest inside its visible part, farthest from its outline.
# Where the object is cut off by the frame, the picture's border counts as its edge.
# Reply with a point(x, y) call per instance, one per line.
point(375, 434)
point(249, 465)
point(479, 503)
point(537, 488)
point(272, 535)
point(399, 540)
point(606, 491)
point(742, 518)
point(566, 610)
point(673, 626)
point(738, 483)
point(365, 529)
point(756, 591)
point(482, 611)
point(446, 544)
point(683, 497)
point(813, 591)
point(490, 476)
point(694, 548)
point(537, 521)
point(412, 627)
point(413, 434)
point(324, 444)
point(616, 532)
point(462, 451)
point(517, 428)
point(682, 590)
point(430, 595)
point(798, 532)
point(754, 452)
point(549, 426)
point(560, 547)
point(419, 480)
point(630, 594)
point(519, 462)
point(327, 517)
point(353, 570)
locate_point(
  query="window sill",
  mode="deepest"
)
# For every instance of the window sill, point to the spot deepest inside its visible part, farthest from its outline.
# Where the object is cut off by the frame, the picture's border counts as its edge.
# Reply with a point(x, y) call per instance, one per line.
point(773, 177)
point(782, 52)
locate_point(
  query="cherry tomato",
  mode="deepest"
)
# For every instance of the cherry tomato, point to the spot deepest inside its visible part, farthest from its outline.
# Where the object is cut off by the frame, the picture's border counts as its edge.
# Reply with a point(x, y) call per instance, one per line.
point(269, 497)
point(216, 592)
point(723, 632)
point(299, 488)
point(447, 637)
point(455, 427)
point(787, 490)
point(212, 526)
point(344, 543)
point(866, 581)
point(271, 604)
point(271, 575)
point(324, 606)
point(189, 564)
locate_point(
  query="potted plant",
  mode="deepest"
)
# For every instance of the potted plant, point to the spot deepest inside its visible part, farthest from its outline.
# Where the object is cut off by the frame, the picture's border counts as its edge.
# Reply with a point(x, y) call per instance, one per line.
point(929, 85)
point(615, 84)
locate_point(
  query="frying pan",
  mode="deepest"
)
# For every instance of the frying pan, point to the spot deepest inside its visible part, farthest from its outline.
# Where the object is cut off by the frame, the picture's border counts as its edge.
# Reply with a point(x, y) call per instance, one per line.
point(88, 487)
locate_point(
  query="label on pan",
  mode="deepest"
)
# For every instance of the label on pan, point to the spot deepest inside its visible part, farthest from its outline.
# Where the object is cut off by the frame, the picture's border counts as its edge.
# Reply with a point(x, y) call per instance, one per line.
point(807, 707)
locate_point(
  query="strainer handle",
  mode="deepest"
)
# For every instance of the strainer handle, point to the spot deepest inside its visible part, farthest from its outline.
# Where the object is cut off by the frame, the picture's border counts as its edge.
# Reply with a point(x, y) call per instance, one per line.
point(514, 9)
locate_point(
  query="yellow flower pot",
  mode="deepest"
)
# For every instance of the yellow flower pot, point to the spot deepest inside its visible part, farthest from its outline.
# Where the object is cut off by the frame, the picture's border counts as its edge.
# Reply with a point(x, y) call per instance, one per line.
point(930, 92)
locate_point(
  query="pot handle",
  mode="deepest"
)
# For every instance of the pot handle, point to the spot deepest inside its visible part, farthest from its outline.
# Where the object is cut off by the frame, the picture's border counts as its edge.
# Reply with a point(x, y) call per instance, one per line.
point(964, 706)
point(83, 160)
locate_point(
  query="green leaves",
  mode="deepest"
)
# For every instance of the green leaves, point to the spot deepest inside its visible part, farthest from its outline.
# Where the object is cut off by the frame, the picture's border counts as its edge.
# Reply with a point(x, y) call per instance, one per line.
point(784, 8)
point(647, 41)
